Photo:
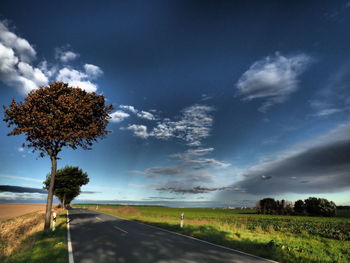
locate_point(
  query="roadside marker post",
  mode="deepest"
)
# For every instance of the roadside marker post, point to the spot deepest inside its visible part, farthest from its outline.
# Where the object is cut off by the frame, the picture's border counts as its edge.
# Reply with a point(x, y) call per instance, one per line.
point(53, 221)
point(182, 219)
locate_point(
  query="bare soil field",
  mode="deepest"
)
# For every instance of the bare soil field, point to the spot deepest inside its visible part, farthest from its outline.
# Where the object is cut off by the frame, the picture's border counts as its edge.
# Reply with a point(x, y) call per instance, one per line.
point(13, 210)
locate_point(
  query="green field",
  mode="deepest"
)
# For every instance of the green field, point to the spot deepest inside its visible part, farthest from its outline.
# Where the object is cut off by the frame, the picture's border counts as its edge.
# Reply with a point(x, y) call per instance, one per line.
point(281, 238)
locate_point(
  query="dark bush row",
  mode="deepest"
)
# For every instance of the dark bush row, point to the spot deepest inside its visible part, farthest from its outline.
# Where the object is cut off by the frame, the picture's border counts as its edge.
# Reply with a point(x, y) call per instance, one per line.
point(312, 206)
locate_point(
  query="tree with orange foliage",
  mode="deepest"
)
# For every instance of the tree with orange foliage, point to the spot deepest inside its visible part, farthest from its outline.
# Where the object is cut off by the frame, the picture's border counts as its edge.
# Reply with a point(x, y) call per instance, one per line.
point(56, 116)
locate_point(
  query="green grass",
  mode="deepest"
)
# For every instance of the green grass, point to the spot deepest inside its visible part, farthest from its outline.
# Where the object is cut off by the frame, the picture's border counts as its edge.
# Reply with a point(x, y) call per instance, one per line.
point(43, 247)
point(282, 238)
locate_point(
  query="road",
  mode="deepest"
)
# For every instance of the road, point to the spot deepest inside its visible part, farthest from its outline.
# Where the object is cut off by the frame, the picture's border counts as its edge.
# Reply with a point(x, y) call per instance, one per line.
point(101, 238)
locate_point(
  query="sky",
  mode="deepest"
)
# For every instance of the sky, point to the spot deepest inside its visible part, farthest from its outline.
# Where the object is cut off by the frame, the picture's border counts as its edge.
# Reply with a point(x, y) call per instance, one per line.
point(219, 103)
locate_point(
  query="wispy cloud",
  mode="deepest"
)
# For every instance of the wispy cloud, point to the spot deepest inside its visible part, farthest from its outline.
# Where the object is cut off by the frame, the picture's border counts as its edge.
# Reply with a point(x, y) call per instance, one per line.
point(193, 125)
point(189, 161)
point(190, 175)
point(327, 112)
point(272, 79)
point(334, 97)
point(139, 113)
point(21, 178)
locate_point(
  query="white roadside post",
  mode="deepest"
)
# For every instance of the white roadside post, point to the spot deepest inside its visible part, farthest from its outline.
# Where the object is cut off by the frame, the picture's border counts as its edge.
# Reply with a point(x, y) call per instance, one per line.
point(182, 219)
point(96, 207)
point(54, 221)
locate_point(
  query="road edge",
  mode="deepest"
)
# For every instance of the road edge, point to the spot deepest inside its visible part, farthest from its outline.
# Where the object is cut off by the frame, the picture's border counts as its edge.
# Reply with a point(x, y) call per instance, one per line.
point(200, 240)
point(69, 242)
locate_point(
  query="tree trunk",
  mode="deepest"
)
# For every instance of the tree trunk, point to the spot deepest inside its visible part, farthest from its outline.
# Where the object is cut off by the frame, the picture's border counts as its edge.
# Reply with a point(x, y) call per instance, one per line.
point(50, 194)
point(64, 201)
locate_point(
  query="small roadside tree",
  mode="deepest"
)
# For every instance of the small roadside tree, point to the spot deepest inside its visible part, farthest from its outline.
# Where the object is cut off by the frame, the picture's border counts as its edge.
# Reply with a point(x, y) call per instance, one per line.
point(56, 116)
point(68, 182)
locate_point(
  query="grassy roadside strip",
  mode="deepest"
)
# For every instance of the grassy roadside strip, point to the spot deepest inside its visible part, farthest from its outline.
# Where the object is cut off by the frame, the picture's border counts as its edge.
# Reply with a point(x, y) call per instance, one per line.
point(275, 245)
point(23, 241)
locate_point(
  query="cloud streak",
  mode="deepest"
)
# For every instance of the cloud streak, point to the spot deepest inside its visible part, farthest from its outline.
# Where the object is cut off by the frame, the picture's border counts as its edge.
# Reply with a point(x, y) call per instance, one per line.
point(20, 189)
point(321, 165)
point(193, 190)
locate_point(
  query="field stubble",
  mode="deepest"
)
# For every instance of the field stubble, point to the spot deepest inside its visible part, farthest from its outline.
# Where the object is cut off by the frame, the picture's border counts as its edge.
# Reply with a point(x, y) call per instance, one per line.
point(23, 241)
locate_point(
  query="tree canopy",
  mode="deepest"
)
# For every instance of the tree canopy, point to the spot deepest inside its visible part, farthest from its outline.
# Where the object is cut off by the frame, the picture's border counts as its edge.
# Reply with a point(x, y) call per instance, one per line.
point(56, 116)
point(312, 206)
point(68, 182)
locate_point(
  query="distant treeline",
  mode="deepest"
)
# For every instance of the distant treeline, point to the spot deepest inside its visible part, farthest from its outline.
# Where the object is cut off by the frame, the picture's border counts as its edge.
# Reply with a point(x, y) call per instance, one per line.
point(343, 207)
point(312, 207)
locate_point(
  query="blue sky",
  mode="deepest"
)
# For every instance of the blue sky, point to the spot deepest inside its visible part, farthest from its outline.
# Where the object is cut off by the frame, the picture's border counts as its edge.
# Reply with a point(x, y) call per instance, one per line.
point(215, 101)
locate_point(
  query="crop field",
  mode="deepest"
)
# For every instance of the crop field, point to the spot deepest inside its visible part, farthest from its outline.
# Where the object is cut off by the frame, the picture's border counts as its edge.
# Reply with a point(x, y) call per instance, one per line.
point(13, 210)
point(281, 238)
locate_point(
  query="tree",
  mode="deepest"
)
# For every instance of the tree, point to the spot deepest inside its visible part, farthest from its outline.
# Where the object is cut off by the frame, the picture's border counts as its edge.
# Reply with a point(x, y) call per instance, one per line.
point(267, 206)
point(299, 207)
point(56, 116)
point(68, 181)
point(320, 207)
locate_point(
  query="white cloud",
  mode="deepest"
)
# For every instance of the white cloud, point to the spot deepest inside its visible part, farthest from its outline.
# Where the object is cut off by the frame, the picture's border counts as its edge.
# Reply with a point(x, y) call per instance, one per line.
point(15, 55)
point(129, 108)
point(17, 69)
point(92, 71)
point(327, 112)
point(17, 73)
point(272, 79)
point(49, 71)
point(193, 126)
point(21, 149)
point(81, 79)
point(139, 113)
point(34, 74)
point(139, 130)
point(21, 46)
point(65, 55)
point(146, 115)
point(119, 116)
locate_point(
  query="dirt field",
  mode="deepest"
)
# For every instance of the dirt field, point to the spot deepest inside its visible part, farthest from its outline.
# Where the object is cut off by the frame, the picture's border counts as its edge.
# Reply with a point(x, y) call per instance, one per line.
point(12, 210)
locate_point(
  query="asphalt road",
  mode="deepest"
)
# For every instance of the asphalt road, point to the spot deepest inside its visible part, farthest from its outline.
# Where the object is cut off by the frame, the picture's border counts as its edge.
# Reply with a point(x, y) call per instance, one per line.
point(101, 238)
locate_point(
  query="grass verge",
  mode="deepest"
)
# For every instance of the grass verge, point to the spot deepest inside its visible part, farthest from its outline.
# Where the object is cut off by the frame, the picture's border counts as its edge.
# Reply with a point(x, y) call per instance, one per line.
point(273, 243)
point(23, 241)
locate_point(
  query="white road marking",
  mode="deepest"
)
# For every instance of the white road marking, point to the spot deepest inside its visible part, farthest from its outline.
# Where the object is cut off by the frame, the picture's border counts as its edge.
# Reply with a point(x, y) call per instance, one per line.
point(120, 229)
point(99, 218)
point(70, 249)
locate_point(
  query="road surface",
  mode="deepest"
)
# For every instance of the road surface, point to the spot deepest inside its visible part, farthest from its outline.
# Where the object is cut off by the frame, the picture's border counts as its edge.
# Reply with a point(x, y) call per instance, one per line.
point(101, 238)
